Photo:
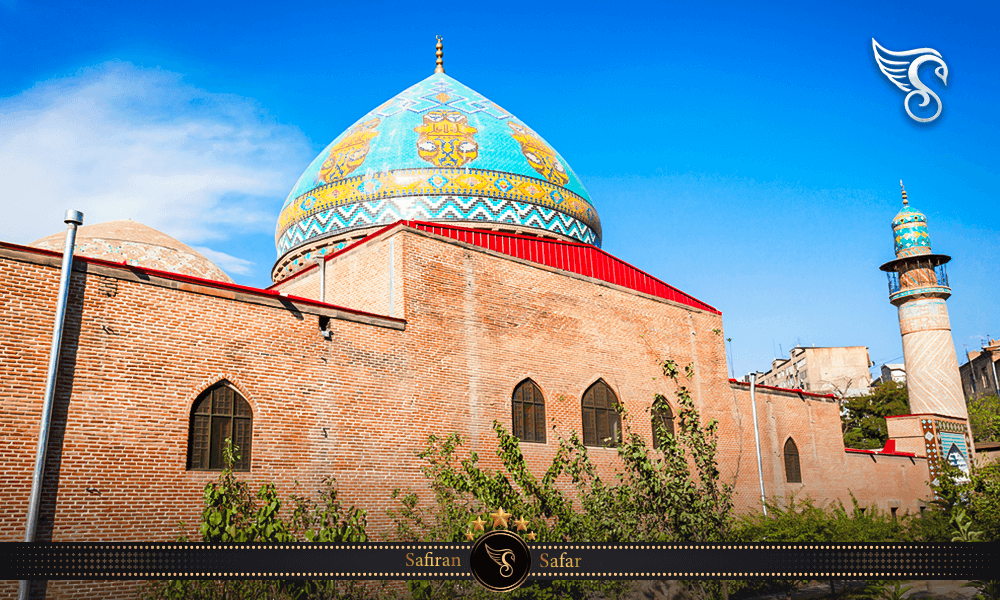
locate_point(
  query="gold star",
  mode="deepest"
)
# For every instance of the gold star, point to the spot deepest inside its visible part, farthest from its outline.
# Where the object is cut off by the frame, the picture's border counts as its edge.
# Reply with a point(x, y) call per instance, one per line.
point(499, 518)
point(531, 535)
point(522, 524)
point(469, 537)
point(477, 525)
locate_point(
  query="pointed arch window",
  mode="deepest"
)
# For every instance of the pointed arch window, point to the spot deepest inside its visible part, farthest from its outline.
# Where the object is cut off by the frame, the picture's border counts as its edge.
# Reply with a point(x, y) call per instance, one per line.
point(602, 424)
point(663, 419)
point(792, 472)
point(528, 418)
point(220, 412)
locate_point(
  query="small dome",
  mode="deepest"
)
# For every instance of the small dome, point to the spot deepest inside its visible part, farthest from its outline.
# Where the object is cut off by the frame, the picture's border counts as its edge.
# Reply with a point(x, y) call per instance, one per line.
point(908, 214)
point(438, 151)
point(136, 244)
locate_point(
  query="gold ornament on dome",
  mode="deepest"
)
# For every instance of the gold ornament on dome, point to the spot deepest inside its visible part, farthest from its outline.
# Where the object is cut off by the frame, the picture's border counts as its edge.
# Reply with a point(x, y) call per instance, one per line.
point(540, 156)
point(446, 139)
point(349, 153)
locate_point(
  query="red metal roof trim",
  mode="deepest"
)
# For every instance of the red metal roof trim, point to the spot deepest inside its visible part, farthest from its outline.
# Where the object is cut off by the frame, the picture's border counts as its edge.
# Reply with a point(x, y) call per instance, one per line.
point(195, 280)
point(924, 415)
point(796, 391)
point(575, 257)
point(888, 450)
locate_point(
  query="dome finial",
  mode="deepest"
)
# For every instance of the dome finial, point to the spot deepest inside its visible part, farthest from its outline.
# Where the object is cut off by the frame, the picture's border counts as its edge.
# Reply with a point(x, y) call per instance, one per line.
point(905, 202)
point(440, 56)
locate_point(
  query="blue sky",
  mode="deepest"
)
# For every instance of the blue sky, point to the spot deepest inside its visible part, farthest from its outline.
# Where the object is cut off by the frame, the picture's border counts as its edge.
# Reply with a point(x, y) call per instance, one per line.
point(747, 154)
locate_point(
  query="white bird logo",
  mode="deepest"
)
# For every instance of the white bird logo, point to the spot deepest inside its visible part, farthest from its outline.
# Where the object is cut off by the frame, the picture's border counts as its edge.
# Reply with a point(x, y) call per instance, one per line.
point(903, 73)
point(500, 558)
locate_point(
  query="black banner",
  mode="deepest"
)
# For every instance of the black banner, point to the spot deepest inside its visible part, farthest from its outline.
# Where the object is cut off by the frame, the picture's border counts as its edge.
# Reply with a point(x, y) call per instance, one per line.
point(383, 561)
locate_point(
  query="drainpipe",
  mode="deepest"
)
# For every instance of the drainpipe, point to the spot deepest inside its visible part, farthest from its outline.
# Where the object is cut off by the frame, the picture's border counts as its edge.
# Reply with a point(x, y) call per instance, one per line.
point(321, 263)
point(996, 385)
point(392, 258)
point(756, 439)
point(73, 219)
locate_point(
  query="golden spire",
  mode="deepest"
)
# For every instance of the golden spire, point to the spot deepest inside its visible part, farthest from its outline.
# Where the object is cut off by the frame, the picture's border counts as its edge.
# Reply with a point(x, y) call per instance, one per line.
point(905, 202)
point(440, 57)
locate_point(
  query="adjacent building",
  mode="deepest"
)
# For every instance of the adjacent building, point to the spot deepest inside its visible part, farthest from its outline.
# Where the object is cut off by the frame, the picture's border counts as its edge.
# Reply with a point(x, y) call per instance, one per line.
point(979, 373)
point(841, 371)
point(891, 372)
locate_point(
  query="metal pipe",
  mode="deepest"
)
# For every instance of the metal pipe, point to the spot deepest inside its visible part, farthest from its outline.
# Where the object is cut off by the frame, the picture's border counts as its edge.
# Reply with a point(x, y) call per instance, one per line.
point(73, 219)
point(756, 439)
point(996, 384)
point(321, 263)
point(392, 257)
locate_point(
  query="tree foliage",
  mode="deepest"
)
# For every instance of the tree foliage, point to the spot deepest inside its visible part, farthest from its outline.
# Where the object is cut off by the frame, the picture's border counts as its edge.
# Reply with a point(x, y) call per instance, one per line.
point(673, 494)
point(863, 417)
point(234, 513)
point(984, 418)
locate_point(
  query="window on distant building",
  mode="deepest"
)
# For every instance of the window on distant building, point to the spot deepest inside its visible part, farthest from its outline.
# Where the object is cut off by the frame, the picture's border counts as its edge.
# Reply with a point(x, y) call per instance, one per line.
point(792, 472)
point(220, 412)
point(601, 423)
point(528, 416)
point(663, 419)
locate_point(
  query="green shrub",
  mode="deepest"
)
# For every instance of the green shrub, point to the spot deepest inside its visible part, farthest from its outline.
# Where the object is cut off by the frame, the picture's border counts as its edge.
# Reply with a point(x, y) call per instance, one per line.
point(234, 513)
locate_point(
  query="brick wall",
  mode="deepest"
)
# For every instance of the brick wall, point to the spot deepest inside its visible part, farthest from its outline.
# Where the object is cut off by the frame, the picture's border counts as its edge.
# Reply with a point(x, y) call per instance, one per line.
point(140, 346)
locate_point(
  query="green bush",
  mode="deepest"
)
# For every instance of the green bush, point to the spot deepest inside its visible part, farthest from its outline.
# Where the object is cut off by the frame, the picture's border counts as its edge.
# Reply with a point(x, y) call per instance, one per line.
point(673, 494)
point(234, 513)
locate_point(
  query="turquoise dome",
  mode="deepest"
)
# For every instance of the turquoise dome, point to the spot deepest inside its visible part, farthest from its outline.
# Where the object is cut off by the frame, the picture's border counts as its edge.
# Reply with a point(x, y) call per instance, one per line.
point(909, 228)
point(438, 151)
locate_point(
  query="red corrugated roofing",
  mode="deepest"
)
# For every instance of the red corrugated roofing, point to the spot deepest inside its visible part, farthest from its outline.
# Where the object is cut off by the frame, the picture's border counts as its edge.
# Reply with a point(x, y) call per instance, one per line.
point(582, 259)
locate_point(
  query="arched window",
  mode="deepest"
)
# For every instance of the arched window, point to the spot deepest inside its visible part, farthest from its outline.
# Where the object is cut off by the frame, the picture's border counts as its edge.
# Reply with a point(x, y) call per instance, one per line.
point(528, 416)
point(602, 425)
point(663, 419)
point(219, 413)
point(792, 472)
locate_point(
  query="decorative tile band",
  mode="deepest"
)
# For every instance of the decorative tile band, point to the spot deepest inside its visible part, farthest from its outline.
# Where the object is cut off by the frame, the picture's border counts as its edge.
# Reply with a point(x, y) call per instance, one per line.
point(430, 208)
point(436, 182)
point(931, 289)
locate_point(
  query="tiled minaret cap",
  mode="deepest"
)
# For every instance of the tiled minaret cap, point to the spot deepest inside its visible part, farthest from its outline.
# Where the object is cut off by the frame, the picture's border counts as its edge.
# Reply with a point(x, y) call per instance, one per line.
point(437, 151)
point(909, 228)
point(136, 244)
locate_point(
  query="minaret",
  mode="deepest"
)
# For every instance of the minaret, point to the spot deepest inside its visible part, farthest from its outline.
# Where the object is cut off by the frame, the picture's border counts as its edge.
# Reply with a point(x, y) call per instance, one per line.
point(918, 286)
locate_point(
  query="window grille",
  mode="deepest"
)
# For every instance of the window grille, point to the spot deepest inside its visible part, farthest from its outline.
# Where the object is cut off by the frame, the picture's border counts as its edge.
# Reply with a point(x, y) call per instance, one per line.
point(528, 418)
point(220, 412)
point(601, 421)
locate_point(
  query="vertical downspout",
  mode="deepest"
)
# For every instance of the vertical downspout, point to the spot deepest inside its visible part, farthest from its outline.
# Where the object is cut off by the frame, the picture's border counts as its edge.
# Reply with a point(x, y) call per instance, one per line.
point(73, 219)
point(996, 385)
point(392, 258)
point(321, 263)
point(756, 439)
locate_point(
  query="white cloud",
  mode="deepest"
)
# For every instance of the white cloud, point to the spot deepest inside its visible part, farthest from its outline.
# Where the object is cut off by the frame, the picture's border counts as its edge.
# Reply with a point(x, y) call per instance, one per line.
point(119, 141)
point(230, 264)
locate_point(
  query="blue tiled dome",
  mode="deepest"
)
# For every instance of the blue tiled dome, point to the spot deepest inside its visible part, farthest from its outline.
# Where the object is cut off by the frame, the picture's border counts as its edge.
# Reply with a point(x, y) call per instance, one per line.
point(438, 151)
point(909, 228)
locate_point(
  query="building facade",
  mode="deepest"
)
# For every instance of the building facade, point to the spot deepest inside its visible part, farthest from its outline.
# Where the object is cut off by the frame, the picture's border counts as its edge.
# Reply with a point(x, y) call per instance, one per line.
point(891, 372)
point(979, 373)
point(842, 371)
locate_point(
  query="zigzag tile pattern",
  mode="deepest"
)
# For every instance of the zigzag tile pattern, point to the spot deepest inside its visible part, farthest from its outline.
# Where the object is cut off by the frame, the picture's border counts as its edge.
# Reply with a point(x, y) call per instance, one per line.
point(434, 208)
